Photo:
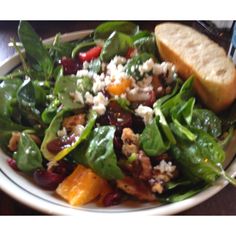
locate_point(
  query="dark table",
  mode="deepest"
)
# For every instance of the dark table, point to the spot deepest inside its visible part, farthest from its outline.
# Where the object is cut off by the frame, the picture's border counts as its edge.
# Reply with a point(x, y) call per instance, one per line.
point(222, 203)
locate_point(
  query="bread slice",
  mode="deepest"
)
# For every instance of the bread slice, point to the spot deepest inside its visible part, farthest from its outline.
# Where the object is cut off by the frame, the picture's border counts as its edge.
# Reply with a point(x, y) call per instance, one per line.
point(195, 54)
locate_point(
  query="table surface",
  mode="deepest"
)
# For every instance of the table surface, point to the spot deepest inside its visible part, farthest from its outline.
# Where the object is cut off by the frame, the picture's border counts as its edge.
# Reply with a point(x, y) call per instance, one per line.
point(222, 203)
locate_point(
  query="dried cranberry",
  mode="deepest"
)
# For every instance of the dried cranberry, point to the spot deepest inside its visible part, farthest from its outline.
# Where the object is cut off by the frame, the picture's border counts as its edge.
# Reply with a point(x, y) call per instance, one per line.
point(12, 163)
point(117, 116)
point(58, 144)
point(111, 199)
point(138, 124)
point(63, 168)
point(47, 179)
point(70, 66)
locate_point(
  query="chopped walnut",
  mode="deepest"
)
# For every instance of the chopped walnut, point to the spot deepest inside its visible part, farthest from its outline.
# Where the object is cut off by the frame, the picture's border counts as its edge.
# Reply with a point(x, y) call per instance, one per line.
point(72, 121)
point(15, 138)
point(130, 142)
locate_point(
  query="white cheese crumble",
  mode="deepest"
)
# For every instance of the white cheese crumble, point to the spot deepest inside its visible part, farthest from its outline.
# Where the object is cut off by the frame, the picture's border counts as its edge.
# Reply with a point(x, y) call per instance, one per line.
point(77, 97)
point(145, 112)
point(165, 167)
point(99, 103)
point(147, 66)
point(85, 65)
point(88, 98)
point(62, 133)
point(78, 129)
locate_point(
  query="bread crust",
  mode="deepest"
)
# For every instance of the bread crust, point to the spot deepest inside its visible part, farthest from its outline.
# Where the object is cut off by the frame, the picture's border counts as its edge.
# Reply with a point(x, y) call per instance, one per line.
point(216, 95)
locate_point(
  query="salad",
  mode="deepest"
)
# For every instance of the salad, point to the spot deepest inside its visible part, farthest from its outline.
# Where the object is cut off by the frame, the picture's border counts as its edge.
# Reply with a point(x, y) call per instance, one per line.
point(103, 119)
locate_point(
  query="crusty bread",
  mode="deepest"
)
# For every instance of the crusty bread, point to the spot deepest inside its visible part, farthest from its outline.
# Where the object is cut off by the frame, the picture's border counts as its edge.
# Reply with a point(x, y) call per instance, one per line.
point(195, 54)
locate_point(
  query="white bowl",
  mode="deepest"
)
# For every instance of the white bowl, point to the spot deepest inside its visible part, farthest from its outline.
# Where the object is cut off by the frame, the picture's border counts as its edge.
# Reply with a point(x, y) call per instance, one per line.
point(24, 190)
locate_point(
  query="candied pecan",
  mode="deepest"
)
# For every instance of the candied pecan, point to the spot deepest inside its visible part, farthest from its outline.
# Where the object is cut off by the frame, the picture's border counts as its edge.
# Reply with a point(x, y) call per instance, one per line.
point(130, 142)
point(136, 188)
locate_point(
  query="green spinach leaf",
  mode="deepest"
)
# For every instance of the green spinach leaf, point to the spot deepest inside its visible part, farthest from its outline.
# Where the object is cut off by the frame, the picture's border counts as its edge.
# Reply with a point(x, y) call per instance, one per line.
point(146, 44)
point(67, 85)
point(28, 157)
point(151, 140)
point(97, 152)
point(116, 44)
point(35, 50)
point(206, 120)
point(103, 31)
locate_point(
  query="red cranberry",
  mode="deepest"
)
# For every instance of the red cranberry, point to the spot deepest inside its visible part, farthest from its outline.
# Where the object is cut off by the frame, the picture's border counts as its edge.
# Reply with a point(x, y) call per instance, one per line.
point(70, 66)
point(111, 199)
point(63, 168)
point(117, 116)
point(47, 179)
point(12, 163)
point(138, 124)
point(58, 144)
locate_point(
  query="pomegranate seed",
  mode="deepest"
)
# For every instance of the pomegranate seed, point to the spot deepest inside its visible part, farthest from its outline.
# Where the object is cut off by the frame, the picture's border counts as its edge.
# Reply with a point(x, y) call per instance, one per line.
point(111, 199)
point(47, 179)
point(70, 66)
point(12, 163)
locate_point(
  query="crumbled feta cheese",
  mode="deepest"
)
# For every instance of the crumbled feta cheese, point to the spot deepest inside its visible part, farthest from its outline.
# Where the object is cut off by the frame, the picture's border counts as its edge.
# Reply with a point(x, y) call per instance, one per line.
point(145, 82)
point(77, 97)
point(119, 60)
point(99, 108)
point(62, 133)
point(147, 66)
point(98, 86)
point(85, 65)
point(165, 68)
point(100, 102)
point(78, 130)
point(165, 167)
point(88, 98)
point(145, 112)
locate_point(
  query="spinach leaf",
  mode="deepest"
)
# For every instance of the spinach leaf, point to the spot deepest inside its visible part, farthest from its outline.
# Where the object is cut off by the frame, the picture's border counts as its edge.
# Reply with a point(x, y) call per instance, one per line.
point(35, 50)
point(59, 49)
point(67, 85)
point(201, 159)
point(182, 192)
point(182, 96)
point(50, 112)
point(97, 152)
point(28, 157)
point(116, 44)
point(206, 120)
point(103, 31)
point(146, 44)
point(8, 91)
point(140, 34)
point(26, 106)
point(86, 132)
point(132, 66)
point(151, 140)
point(51, 134)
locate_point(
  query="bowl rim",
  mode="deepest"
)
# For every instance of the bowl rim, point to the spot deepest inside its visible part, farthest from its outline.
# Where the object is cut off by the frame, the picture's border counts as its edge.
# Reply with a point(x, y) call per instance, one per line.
point(24, 196)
